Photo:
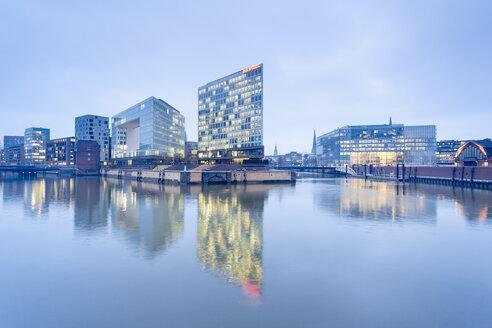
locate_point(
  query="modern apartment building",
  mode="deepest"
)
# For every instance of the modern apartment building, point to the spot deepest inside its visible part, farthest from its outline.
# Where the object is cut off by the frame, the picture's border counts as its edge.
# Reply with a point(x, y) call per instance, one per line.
point(60, 152)
point(94, 128)
point(150, 132)
point(35, 141)
point(446, 151)
point(230, 117)
point(380, 145)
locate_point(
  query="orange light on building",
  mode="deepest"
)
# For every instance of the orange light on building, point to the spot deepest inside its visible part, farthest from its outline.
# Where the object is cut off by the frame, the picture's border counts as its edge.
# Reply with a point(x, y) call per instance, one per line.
point(249, 69)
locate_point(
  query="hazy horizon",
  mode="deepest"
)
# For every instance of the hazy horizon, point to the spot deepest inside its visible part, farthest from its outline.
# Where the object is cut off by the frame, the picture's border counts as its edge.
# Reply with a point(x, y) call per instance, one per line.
point(326, 64)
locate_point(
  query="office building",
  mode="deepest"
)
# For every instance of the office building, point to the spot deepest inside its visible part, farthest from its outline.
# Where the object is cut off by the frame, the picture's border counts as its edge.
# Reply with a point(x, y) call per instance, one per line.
point(9, 141)
point(35, 140)
point(150, 132)
point(230, 118)
point(14, 155)
point(60, 152)
point(291, 159)
point(380, 145)
point(94, 128)
point(446, 151)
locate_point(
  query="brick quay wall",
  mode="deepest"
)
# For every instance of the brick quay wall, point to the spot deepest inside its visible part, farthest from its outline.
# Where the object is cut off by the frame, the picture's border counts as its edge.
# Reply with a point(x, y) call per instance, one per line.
point(470, 176)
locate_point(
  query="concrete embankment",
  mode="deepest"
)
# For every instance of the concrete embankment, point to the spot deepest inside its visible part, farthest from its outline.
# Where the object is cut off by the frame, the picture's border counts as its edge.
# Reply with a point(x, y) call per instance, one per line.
point(467, 176)
point(200, 177)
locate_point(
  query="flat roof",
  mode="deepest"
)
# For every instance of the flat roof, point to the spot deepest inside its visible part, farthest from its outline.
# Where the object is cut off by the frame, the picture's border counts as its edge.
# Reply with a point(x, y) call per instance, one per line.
point(231, 75)
point(143, 101)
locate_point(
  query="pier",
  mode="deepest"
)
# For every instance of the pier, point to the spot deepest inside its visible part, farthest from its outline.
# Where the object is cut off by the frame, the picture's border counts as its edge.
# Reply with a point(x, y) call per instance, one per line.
point(200, 176)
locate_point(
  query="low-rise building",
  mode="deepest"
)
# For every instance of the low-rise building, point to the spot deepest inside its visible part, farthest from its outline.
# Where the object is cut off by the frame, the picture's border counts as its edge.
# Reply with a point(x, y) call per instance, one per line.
point(60, 152)
point(379, 145)
point(475, 153)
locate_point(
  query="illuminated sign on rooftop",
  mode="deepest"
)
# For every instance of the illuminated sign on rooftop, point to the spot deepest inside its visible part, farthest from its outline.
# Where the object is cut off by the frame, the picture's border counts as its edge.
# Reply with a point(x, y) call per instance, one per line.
point(249, 69)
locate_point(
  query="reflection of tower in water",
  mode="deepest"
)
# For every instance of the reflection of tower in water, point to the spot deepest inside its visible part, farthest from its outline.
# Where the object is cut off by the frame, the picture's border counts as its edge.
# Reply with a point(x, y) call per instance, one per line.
point(230, 235)
point(92, 199)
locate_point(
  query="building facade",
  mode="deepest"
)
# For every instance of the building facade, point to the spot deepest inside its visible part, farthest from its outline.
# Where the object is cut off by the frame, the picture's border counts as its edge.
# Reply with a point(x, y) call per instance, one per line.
point(191, 152)
point(151, 128)
point(60, 152)
point(9, 141)
point(14, 155)
point(446, 151)
point(291, 159)
point(230, 117)
point(87, 156)
point(95, 128)
point(35, 142)
point(379, 145)
point(475, 153)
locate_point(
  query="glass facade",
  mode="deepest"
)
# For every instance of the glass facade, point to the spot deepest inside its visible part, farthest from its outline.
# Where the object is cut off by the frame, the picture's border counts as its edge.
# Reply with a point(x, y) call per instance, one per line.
point(150, 128)
point(35, 140)
point(378, 145)
point(446, 151)
point(10, 141)
point(230, 117)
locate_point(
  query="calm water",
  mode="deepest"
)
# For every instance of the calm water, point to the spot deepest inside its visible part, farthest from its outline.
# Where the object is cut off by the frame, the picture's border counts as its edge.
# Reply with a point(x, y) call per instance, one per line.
point(324, 253)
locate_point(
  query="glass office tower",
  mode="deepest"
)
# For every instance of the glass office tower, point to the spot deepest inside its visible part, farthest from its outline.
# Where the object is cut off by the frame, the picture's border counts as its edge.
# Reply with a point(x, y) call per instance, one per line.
point(35, 140)
point(230, 117)
point(380, 145)
point(150, 128)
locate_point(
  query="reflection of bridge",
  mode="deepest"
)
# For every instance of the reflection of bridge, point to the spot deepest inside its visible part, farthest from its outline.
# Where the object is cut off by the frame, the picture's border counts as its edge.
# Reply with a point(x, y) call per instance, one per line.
point(312, 169)
point(26, 169)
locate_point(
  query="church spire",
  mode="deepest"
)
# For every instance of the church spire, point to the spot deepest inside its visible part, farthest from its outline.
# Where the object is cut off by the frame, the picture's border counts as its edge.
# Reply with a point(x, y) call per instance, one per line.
point(275, 152)
point(313, 150)
point(391, 123)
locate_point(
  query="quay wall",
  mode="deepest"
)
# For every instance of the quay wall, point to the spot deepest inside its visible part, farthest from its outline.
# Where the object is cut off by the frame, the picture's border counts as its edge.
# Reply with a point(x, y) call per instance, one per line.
point(200, 177)
point(476, 176)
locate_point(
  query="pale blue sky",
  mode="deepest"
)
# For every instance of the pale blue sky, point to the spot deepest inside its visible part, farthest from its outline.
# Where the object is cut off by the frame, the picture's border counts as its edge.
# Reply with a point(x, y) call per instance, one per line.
point(326, 63)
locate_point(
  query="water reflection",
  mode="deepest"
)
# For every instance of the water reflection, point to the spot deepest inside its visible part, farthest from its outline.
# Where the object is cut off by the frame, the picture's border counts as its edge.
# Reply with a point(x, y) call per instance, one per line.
point(373, 200)
point(230, 235)
point(92, 202)
point(472, 205)
point(148, 215)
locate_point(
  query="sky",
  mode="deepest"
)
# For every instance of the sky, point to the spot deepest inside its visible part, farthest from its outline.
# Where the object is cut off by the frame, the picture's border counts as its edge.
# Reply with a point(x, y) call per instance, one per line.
point(326, 63)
